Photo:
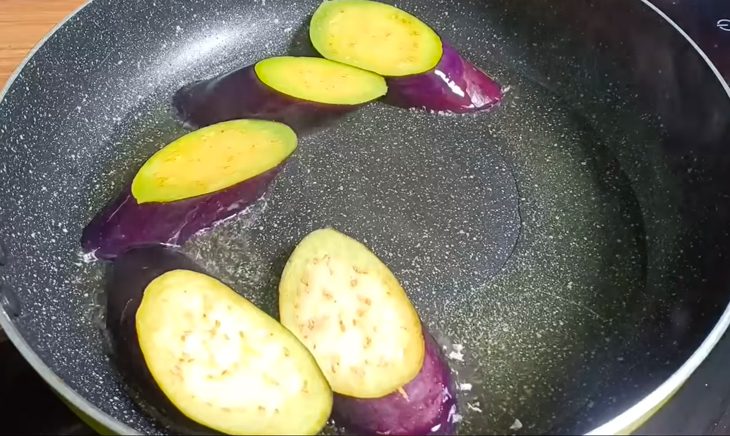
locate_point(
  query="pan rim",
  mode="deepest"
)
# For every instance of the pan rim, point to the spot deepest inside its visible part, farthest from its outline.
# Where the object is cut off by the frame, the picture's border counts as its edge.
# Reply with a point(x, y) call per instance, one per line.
point(624, 423)
point(633, 417)
point(57, 384)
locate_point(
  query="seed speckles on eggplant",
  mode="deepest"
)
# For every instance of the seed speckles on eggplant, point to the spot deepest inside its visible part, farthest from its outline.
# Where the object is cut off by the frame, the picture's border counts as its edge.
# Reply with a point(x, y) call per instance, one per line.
point(351, 312)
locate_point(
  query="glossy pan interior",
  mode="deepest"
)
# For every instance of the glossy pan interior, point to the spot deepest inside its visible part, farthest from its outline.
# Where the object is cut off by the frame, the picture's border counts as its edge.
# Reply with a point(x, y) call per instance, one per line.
point(573, 241)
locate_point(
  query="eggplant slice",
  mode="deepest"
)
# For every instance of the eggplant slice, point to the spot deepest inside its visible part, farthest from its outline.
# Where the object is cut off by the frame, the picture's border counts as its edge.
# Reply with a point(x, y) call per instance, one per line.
point(348, 308)
point(198, 355)
point(422, 71)
point(193, 183)
point(301, 92)
point(374, 36)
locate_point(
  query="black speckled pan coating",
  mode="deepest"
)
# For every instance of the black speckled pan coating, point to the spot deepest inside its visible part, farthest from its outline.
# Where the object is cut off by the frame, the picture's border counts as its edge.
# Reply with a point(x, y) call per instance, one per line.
point(569, 250)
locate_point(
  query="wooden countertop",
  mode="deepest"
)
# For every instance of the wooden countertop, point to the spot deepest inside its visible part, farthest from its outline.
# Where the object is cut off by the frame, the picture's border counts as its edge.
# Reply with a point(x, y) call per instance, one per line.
point(25, 22)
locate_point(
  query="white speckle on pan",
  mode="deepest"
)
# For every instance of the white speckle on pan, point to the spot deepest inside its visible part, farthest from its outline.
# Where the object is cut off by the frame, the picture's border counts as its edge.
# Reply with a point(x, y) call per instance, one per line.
point(517, 425)
point(455, 355)
point(465, 387)
point(89, 257)
point(474, 406)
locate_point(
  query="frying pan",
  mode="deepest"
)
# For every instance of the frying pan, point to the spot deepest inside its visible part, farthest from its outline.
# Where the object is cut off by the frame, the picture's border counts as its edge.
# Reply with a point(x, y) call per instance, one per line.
point(573, 241)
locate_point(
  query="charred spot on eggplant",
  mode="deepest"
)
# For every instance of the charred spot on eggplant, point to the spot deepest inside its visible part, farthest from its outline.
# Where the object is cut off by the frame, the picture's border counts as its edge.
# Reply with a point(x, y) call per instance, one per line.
point(302, 92)
point(190, 185)
point(351, 312)
point(201, 358)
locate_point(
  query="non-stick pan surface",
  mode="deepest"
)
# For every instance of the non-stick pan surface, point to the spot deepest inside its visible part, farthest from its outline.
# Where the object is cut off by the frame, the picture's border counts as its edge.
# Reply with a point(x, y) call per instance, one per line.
point(569, 249)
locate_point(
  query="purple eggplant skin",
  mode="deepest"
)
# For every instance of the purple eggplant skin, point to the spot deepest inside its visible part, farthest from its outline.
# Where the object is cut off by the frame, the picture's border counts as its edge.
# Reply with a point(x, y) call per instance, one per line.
point(124, 224)
point(427, 408)
point(126, 282)
point(240, 94)
point(454, 86)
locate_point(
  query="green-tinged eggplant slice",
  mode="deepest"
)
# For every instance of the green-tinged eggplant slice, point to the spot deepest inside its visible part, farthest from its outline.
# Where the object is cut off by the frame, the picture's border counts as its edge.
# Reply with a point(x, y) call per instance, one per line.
point(320, 80)
point(348, 308)
point(191, 185)
point(374, 36)
point(213, 158)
